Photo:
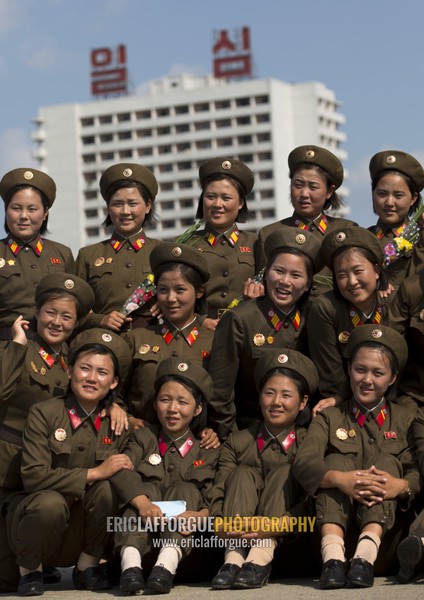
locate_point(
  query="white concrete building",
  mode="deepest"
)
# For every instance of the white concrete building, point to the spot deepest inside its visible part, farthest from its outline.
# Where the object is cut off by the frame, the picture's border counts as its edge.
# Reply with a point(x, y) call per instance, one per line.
point(177, 123)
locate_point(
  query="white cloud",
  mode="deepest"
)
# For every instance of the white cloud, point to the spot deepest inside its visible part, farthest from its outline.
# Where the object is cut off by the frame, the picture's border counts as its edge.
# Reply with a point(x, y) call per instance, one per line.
point(15, 150)
point(39, 55)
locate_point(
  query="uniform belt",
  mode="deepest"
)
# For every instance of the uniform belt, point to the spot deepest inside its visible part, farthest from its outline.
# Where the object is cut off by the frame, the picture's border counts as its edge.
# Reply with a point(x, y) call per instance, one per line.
point(7, 434)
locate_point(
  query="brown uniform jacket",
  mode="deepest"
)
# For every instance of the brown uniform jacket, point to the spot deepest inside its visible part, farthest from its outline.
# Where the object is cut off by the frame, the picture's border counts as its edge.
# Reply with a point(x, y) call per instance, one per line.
point(151, 345)
point(61, 443)
point(244, 448)
point(336, 431)
point(21, 272)
point(333, 223)
point(329, 324)
point(25, 379)
point(396, 271)
point(159, 460)
point(406, 315)
point(230, 264)
point(241, 337)
point(114, 274)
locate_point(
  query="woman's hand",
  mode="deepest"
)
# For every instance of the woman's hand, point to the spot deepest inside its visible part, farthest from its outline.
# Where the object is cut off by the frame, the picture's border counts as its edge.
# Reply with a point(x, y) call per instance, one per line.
point(362, 486)
point(155, 311)
point(110, 466)
point(209, 439)
point(114, 321)
point(18, 331)
point(146, 508)
point(192, 518)
point(251, 289)
point(135, 423)
point(118, 418)
point(393, 487)
point(327, 403)
point(210, 324)
point(386, 293)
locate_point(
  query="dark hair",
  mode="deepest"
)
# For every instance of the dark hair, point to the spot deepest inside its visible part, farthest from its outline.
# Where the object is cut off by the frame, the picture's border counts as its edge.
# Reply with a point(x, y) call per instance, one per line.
point(304, 416)
point(9, 196)
point(144, 193)
point(191, 276)
point(295, 252)
point(411, 186)
point(392, 362)
point(243, 214)
point(383, 281)
point(334, 201)
point(199, 422)
point(91, 350)
point(54, 294)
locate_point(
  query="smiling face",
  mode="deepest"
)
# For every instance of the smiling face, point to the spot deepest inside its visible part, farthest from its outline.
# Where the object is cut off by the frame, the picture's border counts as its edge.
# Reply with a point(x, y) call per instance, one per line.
point(91, 378)
point(370, 375)
point(280, 402)
point(56, 320)
point(221, 204)
point(286, 280)
point(25, 214)
point(128, 210)
point(176, 408)
point(357, 279)
point(309, 193)
point(176, 298)
point(393, 199)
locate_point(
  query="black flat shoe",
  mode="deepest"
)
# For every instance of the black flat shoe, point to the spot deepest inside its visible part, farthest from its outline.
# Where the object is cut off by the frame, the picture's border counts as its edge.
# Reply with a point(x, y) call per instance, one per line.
point(333, 575)
point(360, 574)
point(51, 575)
point(224, 579)
point(31, 584)
point(252, 576)
point(131, 580)
point(159, 581)
point(410, 555)
point(92, 578)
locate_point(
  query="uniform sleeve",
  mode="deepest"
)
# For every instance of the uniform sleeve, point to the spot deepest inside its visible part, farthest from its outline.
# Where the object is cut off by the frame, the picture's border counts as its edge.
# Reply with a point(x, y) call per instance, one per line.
point(226, 463)
point(223, 366)
point(36, 469)
point(323, 348)
point(12, 363)
point(69, 261)
point(400, 308)
point(309, 466)
point(260, 256)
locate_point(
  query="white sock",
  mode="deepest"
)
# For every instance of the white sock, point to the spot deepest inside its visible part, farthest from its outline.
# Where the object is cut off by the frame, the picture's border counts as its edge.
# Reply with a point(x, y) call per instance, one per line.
point(130, 557)
point(86, 561)
point(235, 556)
point(262, 554)
point(169, 558)
point(332, 548)
point(23, 571)
point(368, 546)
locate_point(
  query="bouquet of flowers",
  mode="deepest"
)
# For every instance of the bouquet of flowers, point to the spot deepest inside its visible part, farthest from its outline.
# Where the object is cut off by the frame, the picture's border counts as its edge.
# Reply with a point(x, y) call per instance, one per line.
point(258, 278)
point(403, 244)
point(147, 289)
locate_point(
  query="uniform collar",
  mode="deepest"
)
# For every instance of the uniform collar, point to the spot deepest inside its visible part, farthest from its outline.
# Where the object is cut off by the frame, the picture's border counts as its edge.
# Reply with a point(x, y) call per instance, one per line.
point(16, 245)
point(213, 237)
point(77, 415)
point(190, 332)
point(285, 439)
point(381, 230)
point(277, 318)
point(137, 241)
point(378, 413)
point(183, 444)
point(320, 222)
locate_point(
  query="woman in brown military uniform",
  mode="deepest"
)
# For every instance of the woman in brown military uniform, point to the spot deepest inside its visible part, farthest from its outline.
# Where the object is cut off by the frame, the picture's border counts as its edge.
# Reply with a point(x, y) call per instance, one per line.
point(355, 257)
point(315, 175)
point(115, 267)
point(229, 252)
point(25, 255)
point(359, 457)
point(69, 453)
point(181, 273)
point(170, 464)
point(276, 320)
point(397, 179)
point(254, 469)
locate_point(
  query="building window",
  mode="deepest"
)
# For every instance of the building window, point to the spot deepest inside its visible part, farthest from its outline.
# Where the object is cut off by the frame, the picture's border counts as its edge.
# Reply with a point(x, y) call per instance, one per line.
point(222, 104)
point(90, 177)
point(184, 184)
point(265, 175)
point(92, 231)
point(181, 110)
point(107, 156)
point(222, 142)
point(244, 139)
point(144, 133)
point(167, 187)
point(88, 139)
point(164, 130)
point(243, 120)
point(91, 213)
point(124, 135)
point(264, 155)
point(125, 154)
point(186, 203)
point(262, 118)
point(183, 128)
point(88, 158)
point(203, 144)
point(170, 205)
point(105, 119)
point(268, 213)
point(183, 147)
point(166, 168)
point(200, 125)
point(223, 123)
point(162, 112)
point(264, 137)
point(124, 117)
point(148, 151)
point(262, 99)
point(87, 122)
point(186, 222)
point(242, 101)
point(106, 137)
point(168, 224)
point(90, 195)
point(246, 158)
point(143, 114)
point(201, 107)
point(266, 194)
point(184, 166)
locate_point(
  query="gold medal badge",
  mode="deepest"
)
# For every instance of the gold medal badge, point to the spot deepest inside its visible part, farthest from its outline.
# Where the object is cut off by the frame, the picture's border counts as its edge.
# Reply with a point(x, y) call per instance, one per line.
point(144, 349)
point(343, 337)
point(2, 263)
point(43, 370)
point(351, 433)
point(342, 433)
point(99, 261)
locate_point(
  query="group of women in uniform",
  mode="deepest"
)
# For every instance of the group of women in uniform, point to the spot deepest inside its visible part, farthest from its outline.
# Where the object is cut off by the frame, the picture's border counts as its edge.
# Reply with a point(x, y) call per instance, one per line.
point(240, 340)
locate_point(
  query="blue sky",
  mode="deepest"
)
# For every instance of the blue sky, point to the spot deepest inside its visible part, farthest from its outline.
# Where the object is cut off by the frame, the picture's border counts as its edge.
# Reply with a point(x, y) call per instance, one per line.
point(370, 52)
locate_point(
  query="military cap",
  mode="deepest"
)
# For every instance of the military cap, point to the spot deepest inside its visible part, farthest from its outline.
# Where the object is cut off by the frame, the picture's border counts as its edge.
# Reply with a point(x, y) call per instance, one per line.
point(32, 177)
point(350, 236)
point(320, 157)
point(230, 167)
point(179, 253)
point(128, 172)
point(386, 336)
point(395, 160)
point(65, 282)
point(286, 358)
point(291, 237)
point(109, 340)
point(189, 370)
